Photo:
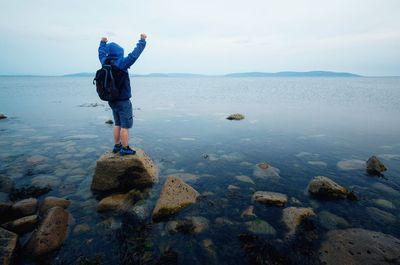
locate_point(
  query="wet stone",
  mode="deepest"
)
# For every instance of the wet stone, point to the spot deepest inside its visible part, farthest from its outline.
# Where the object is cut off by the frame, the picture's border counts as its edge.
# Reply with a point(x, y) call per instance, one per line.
point(259, 226)
point(384, 203)
point(51, 233)
point(265, 171)
point(359, 247)
point(293, 216)
point(25, 207)
point(325, 187)
point(236, 117)
point(46, 181)
point(6, 184)
point(245, 179)
point(175, 195)
point(2, 116)
point(22, 225)
point(270, 198)
point(375, 166)
point(81, 228)
point(50, 202)
point(8, 244)
point(331, 221)
point(381, 216)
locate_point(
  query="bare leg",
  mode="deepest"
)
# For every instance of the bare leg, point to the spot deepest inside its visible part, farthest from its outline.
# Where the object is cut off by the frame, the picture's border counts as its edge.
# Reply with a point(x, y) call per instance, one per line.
point(124, 136)
point(117, 134)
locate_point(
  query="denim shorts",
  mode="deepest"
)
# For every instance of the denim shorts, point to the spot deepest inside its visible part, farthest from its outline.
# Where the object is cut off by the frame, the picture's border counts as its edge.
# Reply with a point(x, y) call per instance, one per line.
point(122, 112)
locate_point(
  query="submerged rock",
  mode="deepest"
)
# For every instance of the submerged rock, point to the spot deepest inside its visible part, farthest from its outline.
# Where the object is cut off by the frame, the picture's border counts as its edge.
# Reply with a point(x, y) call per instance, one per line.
point(6, 184)
point(115, 172)
point(244, 178)
point(352, 164)
point(324, 187)
point(236, 117)
point(2, 116)
point(358, 246)
point(375, 166)
point(24, 208)
point(381, 216)
point(384, 203)
point(109, 121)
point(114, 203)
point(271, 198)
point(81, 228)
point(22, 225)
point(51, 233)
point(265, 171)
point(248, 212)
point(175, 195)
point(292, 217)
point(259, 226)
point(189, 225)
point(8, 243)
point(50, 202)
point(331, 221)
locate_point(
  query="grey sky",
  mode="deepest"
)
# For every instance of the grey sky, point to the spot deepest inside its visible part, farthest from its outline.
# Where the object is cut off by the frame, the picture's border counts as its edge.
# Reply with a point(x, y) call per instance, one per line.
point(208, 36)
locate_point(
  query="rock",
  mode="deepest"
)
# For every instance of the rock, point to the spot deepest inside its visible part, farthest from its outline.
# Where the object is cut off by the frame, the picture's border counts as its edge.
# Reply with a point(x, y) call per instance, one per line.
point(51, 233)
point(115, 172)
point(2, 116)
point(81, 228)
point(358, 246)
point(270, 198)
point(46, 181)
point(381, 216)
point(375, 166)
point(209, 248)
point(248, 212)
point(265, 171)
point(385, 188)
point(24, 208)
point(114, 203)
point(189, 225)
point(22, 225)
point(50, 202)
point(259, 226)
point(223, 221)
point(325, 187)
point(236, 117)
point(8, 243)
point(352, 164)
point(331, 221)
point(233, 187)
point(6, 184)
point(384, 203)
point(295, 201)
point(33, 160)
point(292, 217)
point(109, 121)
point(244, 178)
point(141, 210)
point(175, 195)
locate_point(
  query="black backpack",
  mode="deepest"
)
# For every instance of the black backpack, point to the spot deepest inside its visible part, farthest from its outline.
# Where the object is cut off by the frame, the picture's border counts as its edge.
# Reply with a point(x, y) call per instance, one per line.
point(107, 83)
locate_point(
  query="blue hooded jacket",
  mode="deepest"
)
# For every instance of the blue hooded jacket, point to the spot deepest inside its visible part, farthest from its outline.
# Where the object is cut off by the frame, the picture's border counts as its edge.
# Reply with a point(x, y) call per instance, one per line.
point(113, 51)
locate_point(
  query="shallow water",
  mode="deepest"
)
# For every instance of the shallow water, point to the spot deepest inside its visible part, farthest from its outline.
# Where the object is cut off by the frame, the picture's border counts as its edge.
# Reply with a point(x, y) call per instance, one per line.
point(303, 126)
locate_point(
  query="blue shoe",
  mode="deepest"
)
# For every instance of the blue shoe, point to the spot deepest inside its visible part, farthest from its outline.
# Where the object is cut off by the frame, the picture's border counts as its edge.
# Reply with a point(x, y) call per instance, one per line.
point(117, 148)
point(126, 151)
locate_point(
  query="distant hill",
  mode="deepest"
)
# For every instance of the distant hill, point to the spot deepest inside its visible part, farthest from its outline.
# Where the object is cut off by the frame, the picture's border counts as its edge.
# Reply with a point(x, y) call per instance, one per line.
point(245, 74)
point(294, 74)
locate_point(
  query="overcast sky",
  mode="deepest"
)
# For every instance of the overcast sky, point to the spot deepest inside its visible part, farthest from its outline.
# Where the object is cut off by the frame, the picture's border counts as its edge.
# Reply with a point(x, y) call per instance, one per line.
point(208, 36)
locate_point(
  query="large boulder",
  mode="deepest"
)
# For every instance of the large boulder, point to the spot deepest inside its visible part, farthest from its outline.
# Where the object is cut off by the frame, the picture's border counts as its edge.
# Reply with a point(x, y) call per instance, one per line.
point(8, 243)
point(51, 233)
point(322, 186)
point(50, 202)
point(375, 166)
point(115, 172)
point(270, 198)
point(292, 217)
point(175, 195)
point(358, 246)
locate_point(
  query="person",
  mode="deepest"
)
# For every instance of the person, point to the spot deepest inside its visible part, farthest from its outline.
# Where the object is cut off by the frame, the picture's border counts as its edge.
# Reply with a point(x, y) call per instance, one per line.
point(112, 53)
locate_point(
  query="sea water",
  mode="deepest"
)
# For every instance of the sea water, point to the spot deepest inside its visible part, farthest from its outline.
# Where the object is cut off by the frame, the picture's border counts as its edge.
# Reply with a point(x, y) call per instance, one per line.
point(305, 127)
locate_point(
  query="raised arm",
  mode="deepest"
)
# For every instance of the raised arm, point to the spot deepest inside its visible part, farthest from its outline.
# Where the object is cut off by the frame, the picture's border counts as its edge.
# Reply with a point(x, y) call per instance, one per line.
point(134, 55)
point(102, 50)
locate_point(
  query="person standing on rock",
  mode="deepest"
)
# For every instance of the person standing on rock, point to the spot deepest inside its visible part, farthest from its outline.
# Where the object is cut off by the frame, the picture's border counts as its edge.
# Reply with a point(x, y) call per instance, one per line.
point(122, 107)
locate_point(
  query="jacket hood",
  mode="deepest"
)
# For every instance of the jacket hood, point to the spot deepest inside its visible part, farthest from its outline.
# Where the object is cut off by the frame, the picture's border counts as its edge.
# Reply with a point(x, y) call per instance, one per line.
point(114, 50)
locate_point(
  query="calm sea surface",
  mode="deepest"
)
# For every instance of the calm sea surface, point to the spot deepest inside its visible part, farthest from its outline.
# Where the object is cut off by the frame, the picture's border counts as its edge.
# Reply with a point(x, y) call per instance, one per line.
point(305, 127)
